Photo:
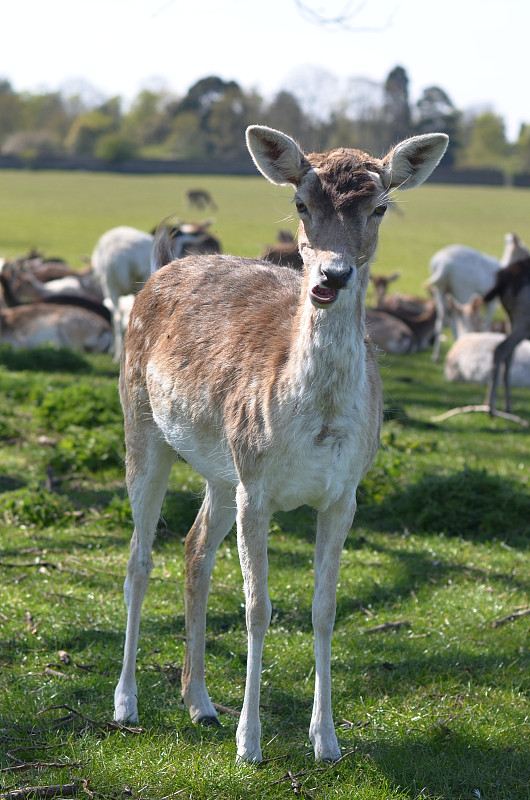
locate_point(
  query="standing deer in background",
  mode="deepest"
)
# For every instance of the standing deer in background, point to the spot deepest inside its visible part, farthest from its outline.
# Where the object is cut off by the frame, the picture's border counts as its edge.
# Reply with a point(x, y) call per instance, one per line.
point(264, 381)
point(512, 287)
point(461, 272)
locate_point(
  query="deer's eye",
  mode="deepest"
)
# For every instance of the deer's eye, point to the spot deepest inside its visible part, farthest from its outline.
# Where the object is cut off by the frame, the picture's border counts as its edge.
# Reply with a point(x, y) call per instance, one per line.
point(379, 211)
point(301, 207)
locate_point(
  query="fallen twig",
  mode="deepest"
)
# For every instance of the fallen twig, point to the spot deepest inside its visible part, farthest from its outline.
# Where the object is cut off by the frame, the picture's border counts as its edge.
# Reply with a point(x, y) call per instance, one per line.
point(389, 626)
point(226, 710)
point(24, 765)
point(102, 726)
point(483, 408)
point(510, 617)
point(23, 565)
point(53, 673)
point(59, 790)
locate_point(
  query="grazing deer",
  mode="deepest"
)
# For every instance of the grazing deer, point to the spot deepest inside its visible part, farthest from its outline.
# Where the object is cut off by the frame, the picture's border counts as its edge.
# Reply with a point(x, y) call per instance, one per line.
point(264, 381)
point(201, 199)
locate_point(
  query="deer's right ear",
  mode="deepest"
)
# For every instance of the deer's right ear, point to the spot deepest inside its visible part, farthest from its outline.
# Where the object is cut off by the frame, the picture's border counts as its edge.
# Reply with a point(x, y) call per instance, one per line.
point(276, 155)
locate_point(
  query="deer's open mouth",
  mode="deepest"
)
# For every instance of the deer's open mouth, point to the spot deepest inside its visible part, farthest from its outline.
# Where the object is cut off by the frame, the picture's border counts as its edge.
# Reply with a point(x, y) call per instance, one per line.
point(323, 295)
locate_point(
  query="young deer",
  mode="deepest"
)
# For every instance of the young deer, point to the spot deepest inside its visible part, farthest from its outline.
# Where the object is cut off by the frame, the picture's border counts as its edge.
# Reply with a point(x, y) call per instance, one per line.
point(264, 381)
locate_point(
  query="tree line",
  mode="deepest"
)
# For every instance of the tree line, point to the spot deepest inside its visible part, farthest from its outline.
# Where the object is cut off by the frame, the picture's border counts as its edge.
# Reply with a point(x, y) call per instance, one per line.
point(208, 121)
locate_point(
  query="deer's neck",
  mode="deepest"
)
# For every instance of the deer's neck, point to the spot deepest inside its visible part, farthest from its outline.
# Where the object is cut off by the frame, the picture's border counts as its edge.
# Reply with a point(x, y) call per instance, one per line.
point(327, 365)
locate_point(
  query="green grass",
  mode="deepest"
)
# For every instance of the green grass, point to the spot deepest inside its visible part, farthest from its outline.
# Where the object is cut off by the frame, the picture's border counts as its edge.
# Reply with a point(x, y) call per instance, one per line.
point(63, 214)
point(436, 708)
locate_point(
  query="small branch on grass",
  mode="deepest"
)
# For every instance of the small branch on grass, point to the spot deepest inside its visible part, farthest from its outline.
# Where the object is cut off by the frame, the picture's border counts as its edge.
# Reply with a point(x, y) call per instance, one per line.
point(485, 409)
point(389, 626)
point(102, 726)
point(365, 611)
point(39, 564)
point(53, 673)
point(295, 783)
point(25, 748)
point(226, 710)
point(41, 792)
point(510, 617)
point(24, 765)
point(296, 786)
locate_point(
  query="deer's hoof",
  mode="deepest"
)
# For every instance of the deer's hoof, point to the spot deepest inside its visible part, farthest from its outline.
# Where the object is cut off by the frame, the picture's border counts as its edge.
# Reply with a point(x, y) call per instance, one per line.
point(209, 722)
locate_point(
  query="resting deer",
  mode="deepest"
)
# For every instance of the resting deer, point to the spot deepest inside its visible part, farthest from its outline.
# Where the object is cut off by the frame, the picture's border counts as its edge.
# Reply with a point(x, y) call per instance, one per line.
point(380, 283)
point(264, 381)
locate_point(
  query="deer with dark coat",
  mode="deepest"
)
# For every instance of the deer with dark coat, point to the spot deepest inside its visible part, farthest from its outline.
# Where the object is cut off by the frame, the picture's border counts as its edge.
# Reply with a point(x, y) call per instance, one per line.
point(512, 287)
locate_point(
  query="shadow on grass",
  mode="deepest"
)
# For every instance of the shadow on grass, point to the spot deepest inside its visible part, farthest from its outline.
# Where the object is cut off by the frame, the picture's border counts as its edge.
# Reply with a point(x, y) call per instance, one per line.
point(446, 763)
point(43, 359)
point(471, 504)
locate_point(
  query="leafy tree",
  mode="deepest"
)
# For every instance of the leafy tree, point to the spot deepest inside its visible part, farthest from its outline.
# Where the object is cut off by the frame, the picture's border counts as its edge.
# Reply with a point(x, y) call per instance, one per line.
point(522, 150)
point(187, 139)
point(487, 146)
point(226, 123)
point(10, 109)
point(435, 112)
point(45, 112)
point(285, 113)
point(115, 147)
point(203, 94)
point(86, 130)
point(396, 108)
point(148, 121)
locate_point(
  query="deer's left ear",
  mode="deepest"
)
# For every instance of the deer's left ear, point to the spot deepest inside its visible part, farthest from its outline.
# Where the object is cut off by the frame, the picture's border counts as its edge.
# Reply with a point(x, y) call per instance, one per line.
point(411, 162)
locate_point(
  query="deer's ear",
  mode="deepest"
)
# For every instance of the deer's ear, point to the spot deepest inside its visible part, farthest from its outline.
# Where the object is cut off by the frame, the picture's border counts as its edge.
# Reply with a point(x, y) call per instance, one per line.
point(276, 155)
point(411, 162)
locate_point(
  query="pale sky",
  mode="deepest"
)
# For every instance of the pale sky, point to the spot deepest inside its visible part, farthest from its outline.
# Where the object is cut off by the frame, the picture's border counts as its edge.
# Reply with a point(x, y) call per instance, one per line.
point(476, 50)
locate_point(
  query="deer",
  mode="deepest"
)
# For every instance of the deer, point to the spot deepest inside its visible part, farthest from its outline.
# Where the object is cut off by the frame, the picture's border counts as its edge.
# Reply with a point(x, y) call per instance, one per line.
point(264, 381)
point(462, 272)
point(512, 287)
point(201, 199)
point(59, 325)
point(285, 252)
point(381, 283)
point(121, 260)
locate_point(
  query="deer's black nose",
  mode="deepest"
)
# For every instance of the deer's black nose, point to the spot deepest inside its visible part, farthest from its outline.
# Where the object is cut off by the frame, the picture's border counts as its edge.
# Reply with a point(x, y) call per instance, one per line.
point(336, 276)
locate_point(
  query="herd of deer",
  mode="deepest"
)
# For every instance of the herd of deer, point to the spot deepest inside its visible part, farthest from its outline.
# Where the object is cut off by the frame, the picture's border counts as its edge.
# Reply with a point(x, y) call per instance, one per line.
point(89, 310)
point(264, 379)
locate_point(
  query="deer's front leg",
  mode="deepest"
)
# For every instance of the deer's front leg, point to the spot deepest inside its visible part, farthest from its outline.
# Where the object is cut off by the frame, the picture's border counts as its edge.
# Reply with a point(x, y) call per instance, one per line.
point(332, 529)
point(252, 532)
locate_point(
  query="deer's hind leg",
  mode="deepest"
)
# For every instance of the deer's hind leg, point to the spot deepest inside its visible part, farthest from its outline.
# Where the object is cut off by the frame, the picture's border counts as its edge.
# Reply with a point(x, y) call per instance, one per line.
point(214, 521)
point(149, 461)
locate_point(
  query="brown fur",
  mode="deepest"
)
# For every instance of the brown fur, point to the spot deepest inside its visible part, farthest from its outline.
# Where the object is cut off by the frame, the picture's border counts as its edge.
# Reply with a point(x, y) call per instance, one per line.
point(265, 381)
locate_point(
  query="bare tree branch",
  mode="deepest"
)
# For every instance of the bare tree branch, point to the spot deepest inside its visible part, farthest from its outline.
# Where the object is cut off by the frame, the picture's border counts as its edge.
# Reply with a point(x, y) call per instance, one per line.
point(342, 20)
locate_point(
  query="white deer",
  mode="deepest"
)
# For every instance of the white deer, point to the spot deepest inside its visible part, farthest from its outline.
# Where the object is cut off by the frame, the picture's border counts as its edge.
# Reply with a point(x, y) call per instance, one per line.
point(264, 381)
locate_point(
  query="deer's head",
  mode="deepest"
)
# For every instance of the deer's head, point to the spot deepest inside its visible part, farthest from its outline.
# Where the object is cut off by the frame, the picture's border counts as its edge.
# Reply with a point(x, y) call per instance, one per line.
point(341, 198)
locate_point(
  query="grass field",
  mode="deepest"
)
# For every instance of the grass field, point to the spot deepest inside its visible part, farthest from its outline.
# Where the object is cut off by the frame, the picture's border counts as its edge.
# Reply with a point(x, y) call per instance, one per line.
point(435, 706)
point(63, 214)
